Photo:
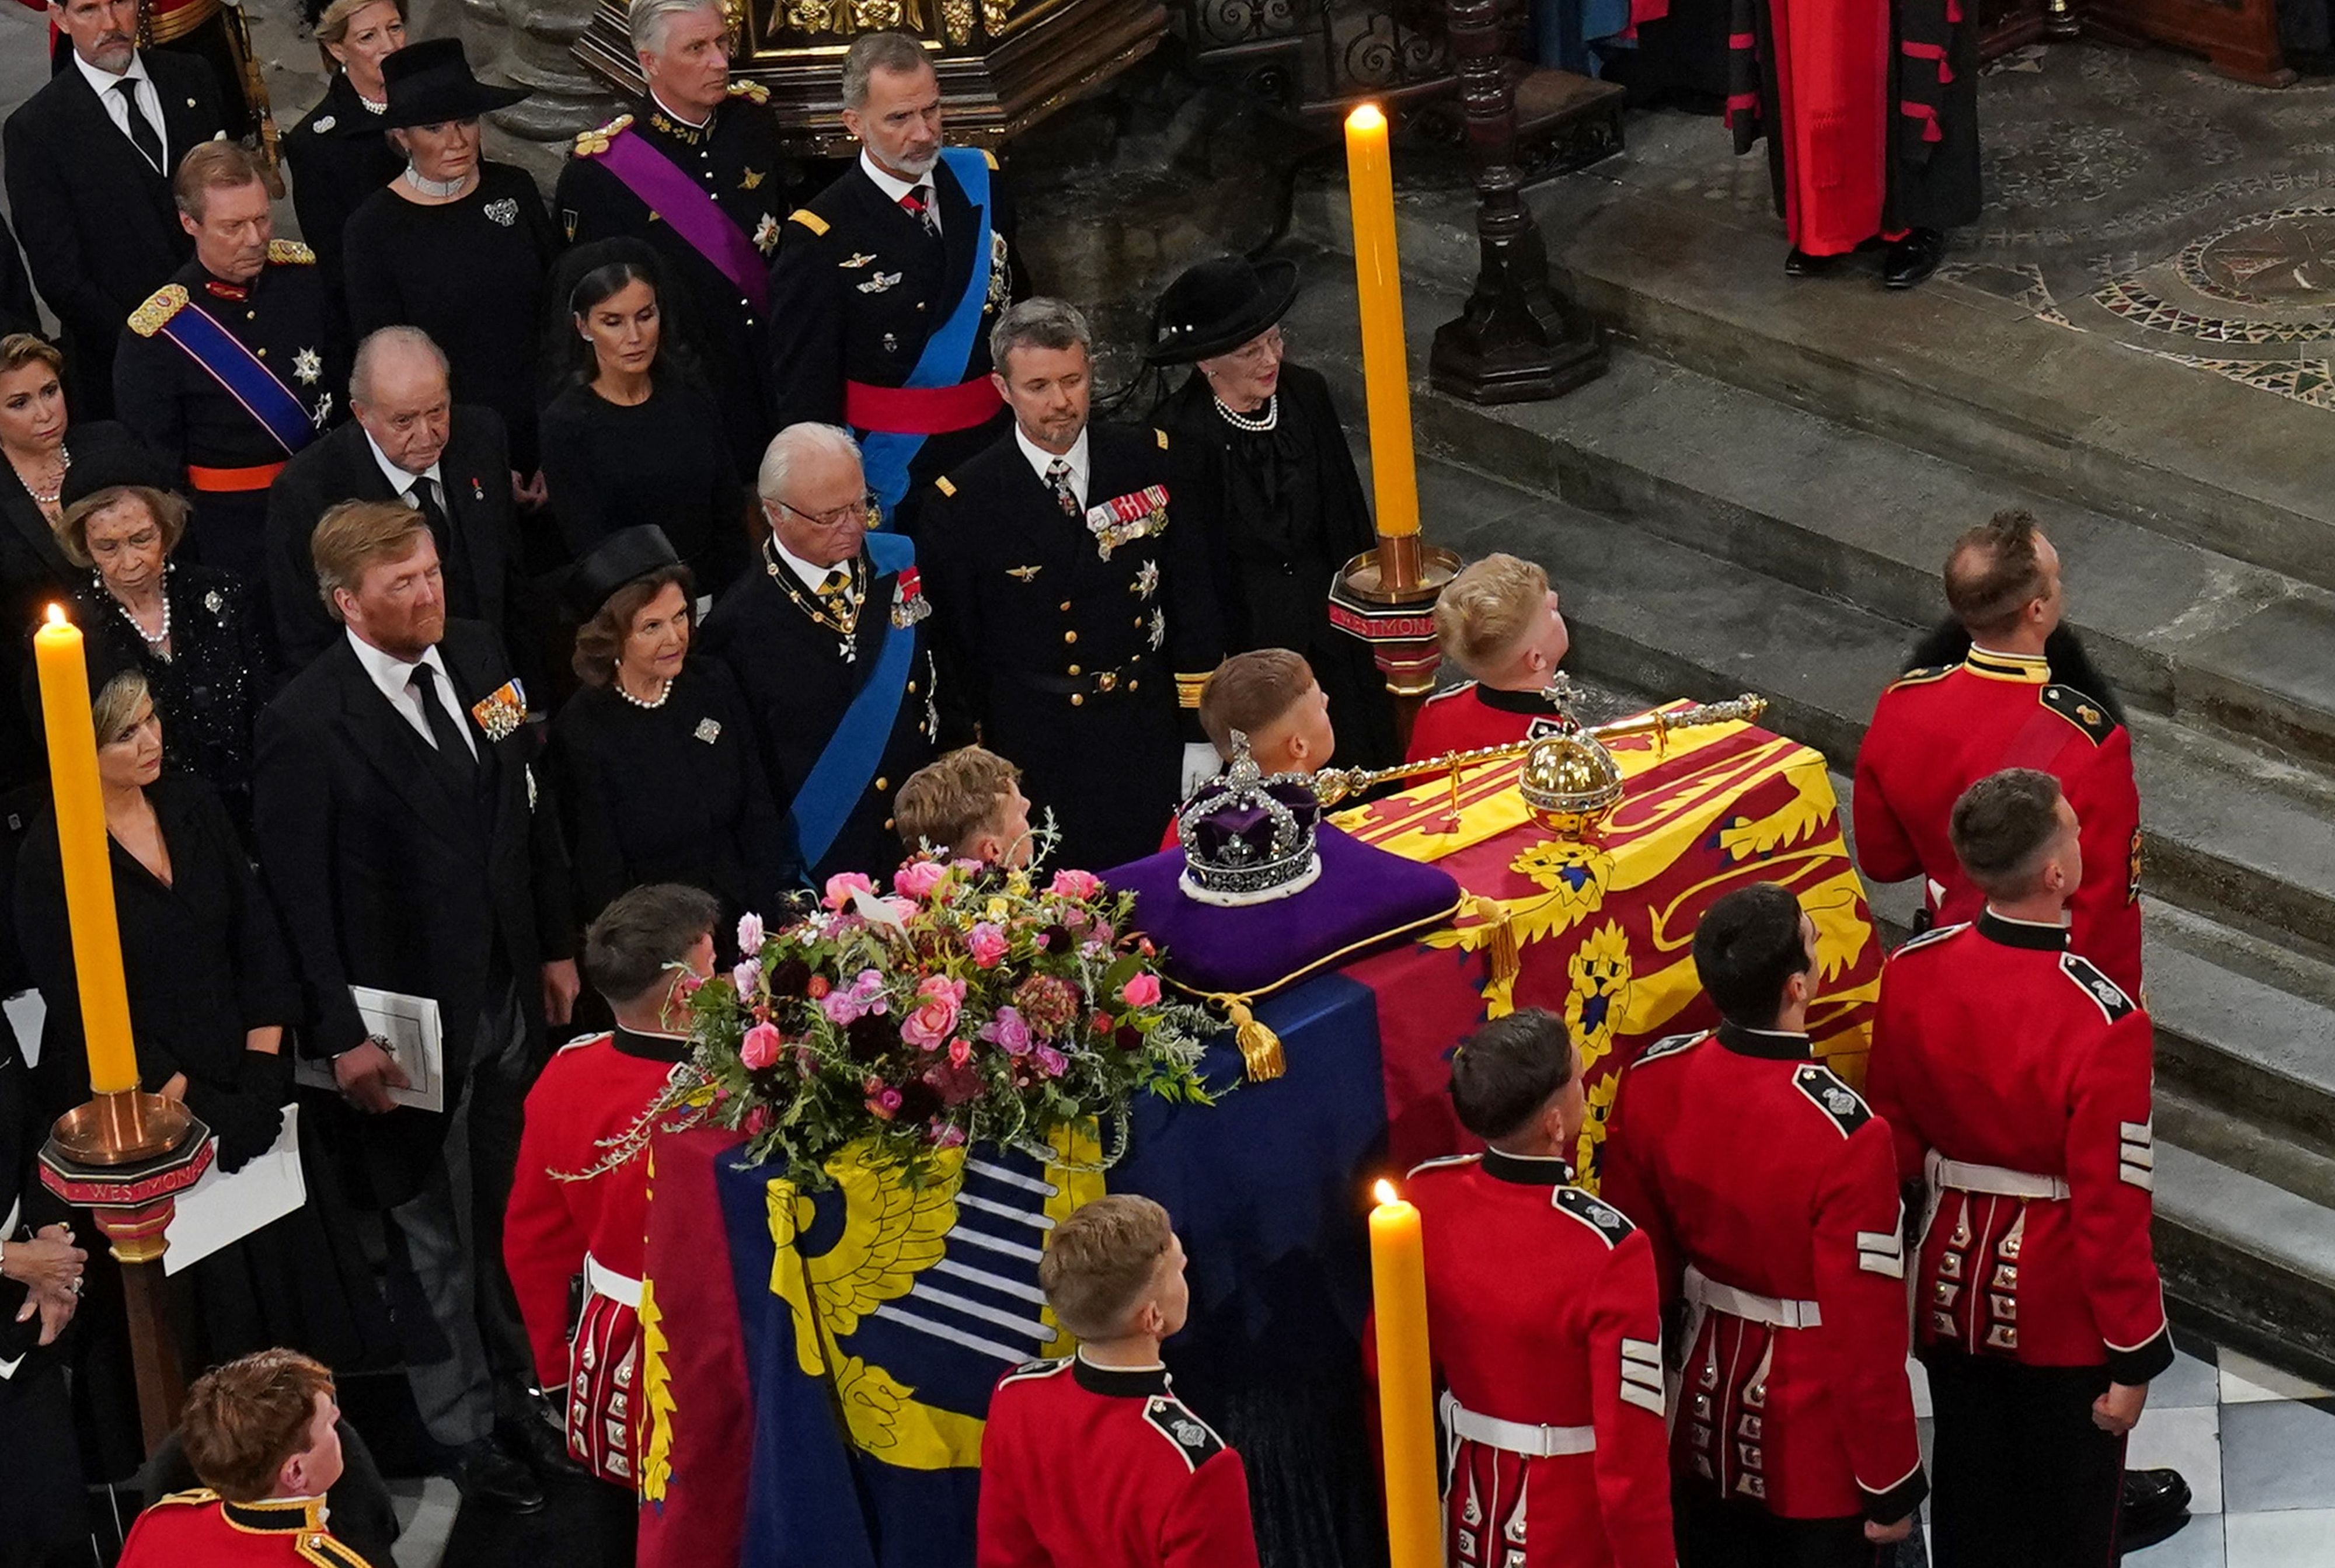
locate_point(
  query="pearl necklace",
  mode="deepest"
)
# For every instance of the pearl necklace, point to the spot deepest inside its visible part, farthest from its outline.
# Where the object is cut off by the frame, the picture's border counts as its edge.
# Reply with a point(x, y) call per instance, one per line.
point(664, 689)
point(64, 466)
point(372, 108)
point(437, 189)
point(1255, 424)
point(154, 639)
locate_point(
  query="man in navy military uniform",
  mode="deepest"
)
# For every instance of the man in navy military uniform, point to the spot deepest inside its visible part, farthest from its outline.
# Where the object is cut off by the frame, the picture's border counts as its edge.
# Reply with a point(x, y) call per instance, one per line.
point(249, 313)
point(889, 281)
point(696, 170)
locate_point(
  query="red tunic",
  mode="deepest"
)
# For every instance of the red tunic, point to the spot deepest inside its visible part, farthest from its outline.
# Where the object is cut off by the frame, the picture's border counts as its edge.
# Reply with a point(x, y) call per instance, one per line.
point(1997, 1049)
point(591, 1093)
point(1543, 1311)
point(1938, 731)
point(1087, 1466)
point(1770, 1192)
point(200, 1529)
point(1470, 716)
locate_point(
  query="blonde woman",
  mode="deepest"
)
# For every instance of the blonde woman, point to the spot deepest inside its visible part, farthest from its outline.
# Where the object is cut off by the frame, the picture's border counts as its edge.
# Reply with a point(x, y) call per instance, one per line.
point(338, 152)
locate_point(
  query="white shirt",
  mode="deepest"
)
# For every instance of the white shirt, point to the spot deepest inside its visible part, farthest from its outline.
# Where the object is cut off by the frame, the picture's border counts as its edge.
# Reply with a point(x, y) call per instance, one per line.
point(812, 576)
point(149, 102)
point(395, 679)
point(401, 480)
point(1041, 459)
point(677, 117)
point(892, 185)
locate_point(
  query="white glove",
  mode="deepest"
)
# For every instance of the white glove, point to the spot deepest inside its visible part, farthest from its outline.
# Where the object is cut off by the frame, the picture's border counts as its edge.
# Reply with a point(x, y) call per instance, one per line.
point(1201, 764)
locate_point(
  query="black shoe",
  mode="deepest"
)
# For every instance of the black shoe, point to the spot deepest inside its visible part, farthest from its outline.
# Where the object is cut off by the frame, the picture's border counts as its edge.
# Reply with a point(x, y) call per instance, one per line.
point(487, 1475)
point(1799, 262)
point(1914, 257)
point(2156, 1505)
point(541, 1446)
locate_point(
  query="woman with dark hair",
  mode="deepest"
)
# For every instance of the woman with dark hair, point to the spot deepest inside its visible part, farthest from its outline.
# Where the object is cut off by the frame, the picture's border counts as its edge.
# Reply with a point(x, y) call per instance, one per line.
point(658, 775)
point(1284, 509)
point(339, 153)
point(633, 439)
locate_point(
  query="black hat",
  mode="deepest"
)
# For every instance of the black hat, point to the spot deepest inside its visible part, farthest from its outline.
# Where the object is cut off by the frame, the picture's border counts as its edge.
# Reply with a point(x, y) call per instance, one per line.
point(430, 82)
point(625, 556)
point(1219, 306)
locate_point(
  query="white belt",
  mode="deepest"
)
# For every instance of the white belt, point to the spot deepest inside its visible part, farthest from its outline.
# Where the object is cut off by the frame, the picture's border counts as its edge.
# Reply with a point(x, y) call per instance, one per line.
point(1992, 1180)
point(1514, 1437)
point(602, 1280)
point(1705, 1292)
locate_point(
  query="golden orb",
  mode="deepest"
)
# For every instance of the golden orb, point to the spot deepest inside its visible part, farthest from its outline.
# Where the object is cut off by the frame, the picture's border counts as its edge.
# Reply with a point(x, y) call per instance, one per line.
point(1571, 783)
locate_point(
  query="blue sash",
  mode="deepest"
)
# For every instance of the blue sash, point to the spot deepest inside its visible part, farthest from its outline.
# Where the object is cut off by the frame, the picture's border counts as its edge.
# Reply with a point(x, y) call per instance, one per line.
point(886, 454)
point(840, 777)
point(246, 379)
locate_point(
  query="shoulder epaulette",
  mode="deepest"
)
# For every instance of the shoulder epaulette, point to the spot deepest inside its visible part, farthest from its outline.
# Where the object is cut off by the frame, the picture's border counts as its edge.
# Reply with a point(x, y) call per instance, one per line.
point(1612, 1226)
point(194, 1497)
point(1045, 1368)
point(1931, 937)
point(1922, 674)
point(751, 92)
point(988, 157)
point(2079, 709)
point(1668, 1045)
point(1825, 1091)
point(290, 252)
point(1163, 438)
point(2105, 993)
point(944, 485)
point(160, 306)
point(1440, 1161)
point(808, 219)
point(1193, 1438)
point(594, 141)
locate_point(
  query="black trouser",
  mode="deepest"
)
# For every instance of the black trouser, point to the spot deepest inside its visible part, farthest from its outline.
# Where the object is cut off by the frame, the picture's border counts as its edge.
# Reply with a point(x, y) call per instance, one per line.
point(1712, 1534)
point(2020, 1476)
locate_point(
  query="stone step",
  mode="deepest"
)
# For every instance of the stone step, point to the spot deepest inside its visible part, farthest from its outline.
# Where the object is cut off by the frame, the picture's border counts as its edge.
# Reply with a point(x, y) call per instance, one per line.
point(2246, 1259)
point(2245, 1046)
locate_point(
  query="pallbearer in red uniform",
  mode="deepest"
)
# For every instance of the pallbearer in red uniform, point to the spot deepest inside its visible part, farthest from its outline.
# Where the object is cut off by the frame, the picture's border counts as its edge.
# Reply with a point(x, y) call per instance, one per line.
point(1545, 1325)
point(578, 1217)
point(1498, 621)
point(2016, 1077)
point(1939, 730)
point(1770, 1191)
point(1091, 1461)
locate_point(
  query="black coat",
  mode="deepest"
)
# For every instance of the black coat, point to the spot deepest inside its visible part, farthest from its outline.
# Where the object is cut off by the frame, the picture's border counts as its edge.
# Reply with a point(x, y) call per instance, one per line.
point(796, 685)
point(1033, 622)
point(391, 875)
point(99, 224)
point(479, 559)
point(333, 170)
point(828, 327)
point(40, 1507)
point(18, 313)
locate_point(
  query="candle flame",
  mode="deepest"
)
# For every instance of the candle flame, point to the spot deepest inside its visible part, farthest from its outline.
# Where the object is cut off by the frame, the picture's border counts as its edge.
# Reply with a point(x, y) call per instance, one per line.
point(1385, 1193)
point(56, 614)
point(1366, 117)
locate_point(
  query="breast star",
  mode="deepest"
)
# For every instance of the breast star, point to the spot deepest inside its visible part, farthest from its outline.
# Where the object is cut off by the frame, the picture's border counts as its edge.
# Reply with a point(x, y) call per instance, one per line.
point(308, 365)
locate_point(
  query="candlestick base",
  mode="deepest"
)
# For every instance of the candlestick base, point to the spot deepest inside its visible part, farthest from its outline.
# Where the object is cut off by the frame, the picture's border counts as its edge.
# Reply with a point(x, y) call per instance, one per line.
point(1370, 600)
point(131, 1189)
point(111, 1129)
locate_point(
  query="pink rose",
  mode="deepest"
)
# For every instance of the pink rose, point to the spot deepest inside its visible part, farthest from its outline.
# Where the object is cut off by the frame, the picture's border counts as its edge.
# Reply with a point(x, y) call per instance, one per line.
point(750, 933)
point(1008, 1031)
point(986, 941)
point(747, 975)
point(863, 996)
point(960, 1050)
point(1142, 990)
point(917, 879)
point(885, 1105)
point(934, 1015)
point(842, 885)
point(758, 1121)
point(1069, 884)
point(948, 1136)
point(903, 909)
point(1052, 1062)
point(761, 1047)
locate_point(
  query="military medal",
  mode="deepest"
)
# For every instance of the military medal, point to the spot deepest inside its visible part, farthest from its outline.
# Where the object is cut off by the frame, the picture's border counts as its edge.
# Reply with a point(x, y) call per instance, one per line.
point(308, 365)
point(909, 605)
point(1138, 514)
point(766, 234)
point(501, 712)
point(838, 614)
point(1147, 580)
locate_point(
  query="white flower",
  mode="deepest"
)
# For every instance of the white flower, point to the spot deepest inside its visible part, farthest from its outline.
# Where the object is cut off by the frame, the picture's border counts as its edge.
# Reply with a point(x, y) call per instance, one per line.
point(747, 975)
point(749, 933)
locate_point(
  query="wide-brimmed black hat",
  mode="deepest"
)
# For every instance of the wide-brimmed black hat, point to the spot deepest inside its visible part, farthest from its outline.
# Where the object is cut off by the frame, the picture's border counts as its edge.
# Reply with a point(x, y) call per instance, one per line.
point(625, 556)
point(1217, 305)
point(430, 82)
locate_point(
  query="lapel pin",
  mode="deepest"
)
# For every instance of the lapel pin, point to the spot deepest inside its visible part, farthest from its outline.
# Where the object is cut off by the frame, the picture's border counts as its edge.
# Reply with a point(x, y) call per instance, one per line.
point(478, 490)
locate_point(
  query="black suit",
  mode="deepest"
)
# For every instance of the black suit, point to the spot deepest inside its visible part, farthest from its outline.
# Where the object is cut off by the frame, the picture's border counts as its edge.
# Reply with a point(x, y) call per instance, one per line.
point(479, 554)
point(98, 221)
point(40, 1507)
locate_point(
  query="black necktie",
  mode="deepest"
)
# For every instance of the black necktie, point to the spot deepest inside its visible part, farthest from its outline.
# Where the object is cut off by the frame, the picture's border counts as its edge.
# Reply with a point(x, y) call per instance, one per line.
point(142, 130)
point(919, 203)
point(424, 497)
point(451, 746)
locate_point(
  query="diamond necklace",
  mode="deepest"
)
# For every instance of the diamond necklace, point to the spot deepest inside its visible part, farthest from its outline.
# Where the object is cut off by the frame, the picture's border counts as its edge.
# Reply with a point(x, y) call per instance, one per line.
point(436, 189)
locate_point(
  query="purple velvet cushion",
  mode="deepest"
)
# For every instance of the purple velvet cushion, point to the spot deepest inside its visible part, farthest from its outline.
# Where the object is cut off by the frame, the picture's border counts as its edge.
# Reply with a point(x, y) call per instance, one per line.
point(1364, 900)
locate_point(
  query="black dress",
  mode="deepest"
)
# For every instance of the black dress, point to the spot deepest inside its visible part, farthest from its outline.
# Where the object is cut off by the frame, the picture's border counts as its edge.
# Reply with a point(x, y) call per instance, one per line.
point(470, 275)
point(1288, 512)
point(673, 793)
point(220, 671)
point(664, 462)
point(335, 166)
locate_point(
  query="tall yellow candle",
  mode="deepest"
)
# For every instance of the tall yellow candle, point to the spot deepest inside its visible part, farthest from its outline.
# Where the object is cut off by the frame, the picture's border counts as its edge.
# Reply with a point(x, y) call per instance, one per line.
point(88, 862)
point(1377, 282)
point(1406, 1384)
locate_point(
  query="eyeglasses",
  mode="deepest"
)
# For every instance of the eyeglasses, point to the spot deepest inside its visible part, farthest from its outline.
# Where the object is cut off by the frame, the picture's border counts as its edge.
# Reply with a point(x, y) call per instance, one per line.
point(1269, 347)
point(865, 513)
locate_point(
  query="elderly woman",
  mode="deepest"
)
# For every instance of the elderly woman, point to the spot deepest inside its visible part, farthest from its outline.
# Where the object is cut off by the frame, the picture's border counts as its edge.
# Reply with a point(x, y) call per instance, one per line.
point(189, 629)
point(633, 439)
point(659, 777)
point(455, 245)
point(338, 152)
point(1285, 509)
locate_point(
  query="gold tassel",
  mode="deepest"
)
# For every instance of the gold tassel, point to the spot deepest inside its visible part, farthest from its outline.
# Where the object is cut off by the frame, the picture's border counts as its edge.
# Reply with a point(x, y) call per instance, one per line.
point(1500, 954)
point(1260, 1048)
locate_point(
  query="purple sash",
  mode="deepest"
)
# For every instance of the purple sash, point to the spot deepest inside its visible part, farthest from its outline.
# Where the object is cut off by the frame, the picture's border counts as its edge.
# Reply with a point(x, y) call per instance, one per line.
point(693, 213)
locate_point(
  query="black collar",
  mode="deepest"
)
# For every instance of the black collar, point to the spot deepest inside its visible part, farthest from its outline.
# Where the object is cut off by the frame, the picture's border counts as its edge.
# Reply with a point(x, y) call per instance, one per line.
point(664, 1048)
point(1534, 702)
point(1545, 1170)
point(273, 1515)
point(1119, 1382)
point(1770, 1044)
point(2028, 933)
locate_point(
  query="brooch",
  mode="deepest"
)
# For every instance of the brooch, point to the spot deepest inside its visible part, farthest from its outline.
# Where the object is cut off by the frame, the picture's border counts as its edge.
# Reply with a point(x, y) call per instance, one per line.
point(856, 259)
point(213, 603)
point(308, 365)
point(1138, 514)
point(324, 410)
point(766, 234)
point(1000, 283)
point(502, 711)
point(1027, 573)
point(909, 605)
point(707, 730)
point(879, 283)
point(1147, 580)
point(323, 122)
point(502, 210)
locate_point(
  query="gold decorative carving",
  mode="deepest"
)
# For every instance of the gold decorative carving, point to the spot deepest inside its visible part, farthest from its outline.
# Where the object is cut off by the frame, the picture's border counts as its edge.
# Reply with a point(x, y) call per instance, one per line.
point(957, 19)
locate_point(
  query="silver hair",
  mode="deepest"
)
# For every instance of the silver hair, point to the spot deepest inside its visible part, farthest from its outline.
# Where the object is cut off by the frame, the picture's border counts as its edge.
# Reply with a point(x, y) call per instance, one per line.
point(787, 447)
point(1038, 322)
point(388, 337)
point(873, 52)
point(647, 20)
